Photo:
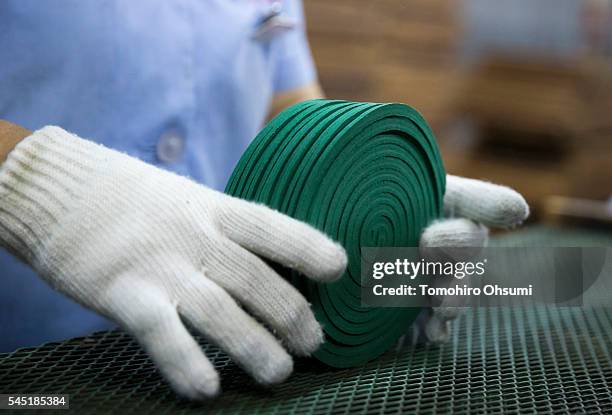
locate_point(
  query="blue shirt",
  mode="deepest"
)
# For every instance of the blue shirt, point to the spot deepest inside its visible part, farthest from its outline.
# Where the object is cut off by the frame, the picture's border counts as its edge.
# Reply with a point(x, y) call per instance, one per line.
point(182, 85)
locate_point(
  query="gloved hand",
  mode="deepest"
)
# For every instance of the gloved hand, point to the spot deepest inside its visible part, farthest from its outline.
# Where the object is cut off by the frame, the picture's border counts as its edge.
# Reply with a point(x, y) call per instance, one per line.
point(148, 249)
point(469, 206)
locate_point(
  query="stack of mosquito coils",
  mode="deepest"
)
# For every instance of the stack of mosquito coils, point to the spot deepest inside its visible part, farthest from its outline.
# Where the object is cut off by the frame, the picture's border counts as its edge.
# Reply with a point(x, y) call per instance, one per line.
point(367, 175)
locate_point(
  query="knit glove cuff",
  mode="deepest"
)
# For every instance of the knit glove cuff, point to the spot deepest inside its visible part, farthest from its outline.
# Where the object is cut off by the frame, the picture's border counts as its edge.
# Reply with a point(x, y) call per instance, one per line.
point(41, 180)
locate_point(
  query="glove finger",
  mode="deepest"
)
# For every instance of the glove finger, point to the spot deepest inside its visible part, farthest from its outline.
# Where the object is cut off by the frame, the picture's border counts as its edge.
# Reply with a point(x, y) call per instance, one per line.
point(433, 325)
point(453, 239)
point(148, 314)
point(211, 310)
point(416, 332)
point(448, 312)
point(437, 330)
point(454, 233)
point(282, 239)
point(270, 297)
point(489, 203)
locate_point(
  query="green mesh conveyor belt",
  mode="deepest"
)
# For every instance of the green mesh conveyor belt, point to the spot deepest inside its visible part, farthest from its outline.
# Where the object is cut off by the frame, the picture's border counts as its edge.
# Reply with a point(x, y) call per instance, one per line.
point(367, 175)
point(545, 360)
point(498, 361)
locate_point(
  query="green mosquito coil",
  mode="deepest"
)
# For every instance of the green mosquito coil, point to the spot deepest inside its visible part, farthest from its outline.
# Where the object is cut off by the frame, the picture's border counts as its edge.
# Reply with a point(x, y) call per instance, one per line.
point(366, 174)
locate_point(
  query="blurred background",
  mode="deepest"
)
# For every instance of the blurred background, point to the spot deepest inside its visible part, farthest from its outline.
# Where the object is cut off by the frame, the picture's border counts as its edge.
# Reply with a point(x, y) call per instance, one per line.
point(518, 92)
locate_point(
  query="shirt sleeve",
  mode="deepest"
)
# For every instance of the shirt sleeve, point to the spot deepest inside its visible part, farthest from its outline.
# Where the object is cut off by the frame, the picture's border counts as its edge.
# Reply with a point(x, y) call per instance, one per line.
point(293, 63)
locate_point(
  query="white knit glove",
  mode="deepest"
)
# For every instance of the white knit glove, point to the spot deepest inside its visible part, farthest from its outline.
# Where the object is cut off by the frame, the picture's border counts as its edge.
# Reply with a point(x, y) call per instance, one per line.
point(470, 206)
point(148, 249)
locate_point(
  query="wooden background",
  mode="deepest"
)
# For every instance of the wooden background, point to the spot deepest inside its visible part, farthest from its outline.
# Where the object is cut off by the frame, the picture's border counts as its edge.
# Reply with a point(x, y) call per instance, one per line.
point(409, 51)
point(387, 50)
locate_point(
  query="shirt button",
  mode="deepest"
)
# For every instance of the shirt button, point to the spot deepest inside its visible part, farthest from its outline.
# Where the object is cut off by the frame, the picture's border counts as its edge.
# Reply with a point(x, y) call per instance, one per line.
point(170, 147)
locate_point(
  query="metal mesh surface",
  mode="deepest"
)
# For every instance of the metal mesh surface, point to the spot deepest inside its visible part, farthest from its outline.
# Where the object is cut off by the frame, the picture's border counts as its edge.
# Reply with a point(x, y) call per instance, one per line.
point(545, 360)
point(499, 360)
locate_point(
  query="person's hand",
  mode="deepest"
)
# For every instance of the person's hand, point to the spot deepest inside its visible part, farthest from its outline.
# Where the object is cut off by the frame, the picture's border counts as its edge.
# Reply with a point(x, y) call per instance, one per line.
point(150, 249)
point(10, 135)
point(470, 206)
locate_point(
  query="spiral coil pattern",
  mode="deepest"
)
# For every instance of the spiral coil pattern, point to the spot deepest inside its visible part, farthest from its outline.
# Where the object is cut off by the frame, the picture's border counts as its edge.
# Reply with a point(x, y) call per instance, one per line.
point(367, 175)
